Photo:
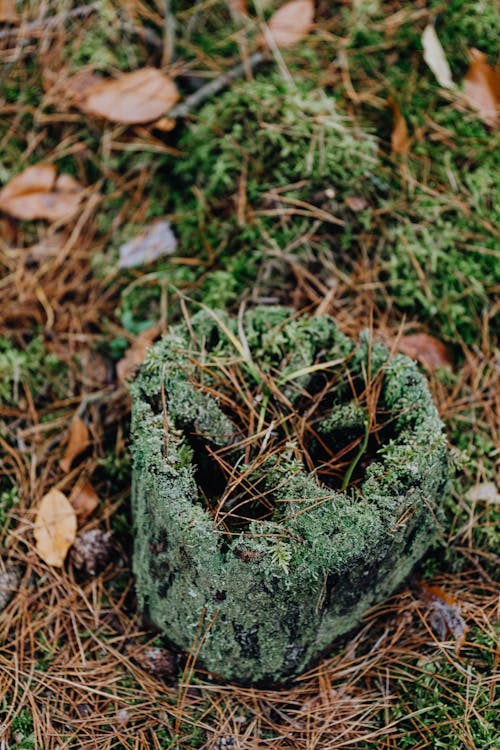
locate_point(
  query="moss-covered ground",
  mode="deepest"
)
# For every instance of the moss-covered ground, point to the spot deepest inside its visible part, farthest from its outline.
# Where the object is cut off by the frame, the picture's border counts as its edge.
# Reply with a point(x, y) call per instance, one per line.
point(283, 189)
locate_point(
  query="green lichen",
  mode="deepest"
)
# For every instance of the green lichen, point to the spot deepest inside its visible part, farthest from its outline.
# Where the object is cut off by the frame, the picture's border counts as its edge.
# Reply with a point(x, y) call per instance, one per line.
point(265, 598)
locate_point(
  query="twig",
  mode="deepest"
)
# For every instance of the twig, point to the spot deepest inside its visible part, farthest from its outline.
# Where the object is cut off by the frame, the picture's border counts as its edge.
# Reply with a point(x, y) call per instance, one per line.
point(213, 87)
point(168, 35)
point(48, 23)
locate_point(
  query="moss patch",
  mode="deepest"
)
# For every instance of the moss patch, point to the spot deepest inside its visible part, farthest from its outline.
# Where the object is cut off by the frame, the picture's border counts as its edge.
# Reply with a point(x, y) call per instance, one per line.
point(273, 592)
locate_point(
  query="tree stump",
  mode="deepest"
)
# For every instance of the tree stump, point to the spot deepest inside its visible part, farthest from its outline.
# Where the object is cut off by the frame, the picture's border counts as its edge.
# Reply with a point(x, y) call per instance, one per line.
point(285, 480)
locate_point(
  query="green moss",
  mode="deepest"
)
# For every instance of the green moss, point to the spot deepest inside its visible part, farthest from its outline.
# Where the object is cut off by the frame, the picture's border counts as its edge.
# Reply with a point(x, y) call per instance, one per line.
point(311, 566)
point(28, 366)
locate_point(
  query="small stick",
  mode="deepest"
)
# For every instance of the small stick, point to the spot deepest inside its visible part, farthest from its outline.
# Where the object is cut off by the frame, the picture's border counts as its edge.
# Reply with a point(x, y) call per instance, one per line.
point(213, 87)
point(168, 35)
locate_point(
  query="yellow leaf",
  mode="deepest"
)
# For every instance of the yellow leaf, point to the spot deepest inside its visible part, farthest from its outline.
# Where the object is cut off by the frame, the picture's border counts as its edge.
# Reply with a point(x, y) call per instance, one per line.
point(8, 12)
point(55, 528)
point(291, 22)
point(141, 96)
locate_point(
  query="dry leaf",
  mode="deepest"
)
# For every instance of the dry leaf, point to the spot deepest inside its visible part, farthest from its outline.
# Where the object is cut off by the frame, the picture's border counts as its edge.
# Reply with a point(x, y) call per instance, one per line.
point(355, 203)
point(78, 86)
point(445, 617)
point(55, 528)
point(84, 499)
point(485, 491)
point(291, 22)
point(36, 193)
point(435, 58)
point(134, 357)
point(482, 88)
point(156, 241)
point(238, 6)
point(400, 143)
point(8, 12)
point(426, 349)
point(78, 441)
point(141, 96)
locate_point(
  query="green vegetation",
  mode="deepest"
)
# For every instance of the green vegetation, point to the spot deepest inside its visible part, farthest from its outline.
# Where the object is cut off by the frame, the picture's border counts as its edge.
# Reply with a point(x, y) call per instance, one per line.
point(28, 366)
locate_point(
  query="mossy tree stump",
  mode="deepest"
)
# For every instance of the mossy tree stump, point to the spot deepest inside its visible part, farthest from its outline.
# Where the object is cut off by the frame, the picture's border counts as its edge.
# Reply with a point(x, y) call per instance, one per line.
point(285, 479)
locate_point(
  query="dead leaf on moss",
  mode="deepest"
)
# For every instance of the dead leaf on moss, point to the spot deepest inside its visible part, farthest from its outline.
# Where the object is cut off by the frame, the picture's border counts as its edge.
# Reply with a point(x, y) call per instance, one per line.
point(78, 441)
point(444, 615)
point(400, 142)
point(84, 499)
point(291, 22)
point(138, 97)
point(55, 528)
point(37, 193)
point(8, 12)
point(482, 88)
point(134, 357)
point(435, 58)
point(355, 203)
point(426, 349)
point(156, 241)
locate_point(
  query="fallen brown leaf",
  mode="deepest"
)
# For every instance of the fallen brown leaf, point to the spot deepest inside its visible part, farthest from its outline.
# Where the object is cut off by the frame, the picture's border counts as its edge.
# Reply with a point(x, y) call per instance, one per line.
point(78, 441)
point(141, 96)
point(291, 22)
point(238, 6)
point(444, 615)
point(400, 142)
point(8, 12)
point(84, 499)
point(426, 349)
point(55, 528)
point(482, 88)
point(355, 203)
point(156, 241)
point(435, 58)
point(36, 193)
point(134, 357)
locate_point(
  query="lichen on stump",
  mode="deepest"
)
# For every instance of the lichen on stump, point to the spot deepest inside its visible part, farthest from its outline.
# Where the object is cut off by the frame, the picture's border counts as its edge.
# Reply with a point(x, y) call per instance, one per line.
point(285, 479)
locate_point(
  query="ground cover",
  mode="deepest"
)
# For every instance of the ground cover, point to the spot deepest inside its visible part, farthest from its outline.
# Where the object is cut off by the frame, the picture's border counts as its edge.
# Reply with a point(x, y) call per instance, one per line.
point(283, 189)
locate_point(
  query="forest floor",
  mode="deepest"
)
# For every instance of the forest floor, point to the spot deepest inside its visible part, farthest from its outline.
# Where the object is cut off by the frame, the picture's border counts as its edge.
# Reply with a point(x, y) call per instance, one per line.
point(336, 175)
